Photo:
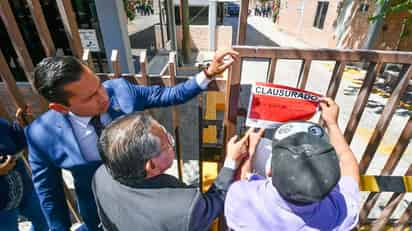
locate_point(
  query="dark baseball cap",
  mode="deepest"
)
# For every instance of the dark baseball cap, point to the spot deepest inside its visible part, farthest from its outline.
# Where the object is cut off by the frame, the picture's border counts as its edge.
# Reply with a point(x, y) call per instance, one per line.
point(305, 167)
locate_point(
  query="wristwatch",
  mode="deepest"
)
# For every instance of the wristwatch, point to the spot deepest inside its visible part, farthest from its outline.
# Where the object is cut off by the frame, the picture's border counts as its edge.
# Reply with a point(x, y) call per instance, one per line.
point(205, 71)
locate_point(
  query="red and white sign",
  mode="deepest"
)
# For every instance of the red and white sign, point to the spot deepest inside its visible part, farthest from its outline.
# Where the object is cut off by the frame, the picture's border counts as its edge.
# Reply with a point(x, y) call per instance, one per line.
point(271, 104)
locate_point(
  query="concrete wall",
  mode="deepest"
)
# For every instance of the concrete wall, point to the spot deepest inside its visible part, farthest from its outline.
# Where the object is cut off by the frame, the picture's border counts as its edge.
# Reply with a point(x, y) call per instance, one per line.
point(224, 37)
point(349, 33)
point(200, 37)
point(297, 22)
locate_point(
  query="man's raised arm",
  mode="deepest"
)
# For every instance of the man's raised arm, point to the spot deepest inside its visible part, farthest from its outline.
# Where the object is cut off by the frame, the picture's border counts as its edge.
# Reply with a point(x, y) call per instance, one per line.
point(347, 160)
point(157, 96)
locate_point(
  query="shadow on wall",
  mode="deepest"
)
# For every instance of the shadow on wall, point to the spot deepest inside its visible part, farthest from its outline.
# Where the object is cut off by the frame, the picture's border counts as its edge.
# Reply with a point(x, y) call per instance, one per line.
point(253, 36)
point(143, 39)
point(256, 38)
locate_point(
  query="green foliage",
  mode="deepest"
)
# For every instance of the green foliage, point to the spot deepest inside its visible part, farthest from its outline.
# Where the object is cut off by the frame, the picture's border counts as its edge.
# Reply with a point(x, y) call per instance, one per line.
point(396, 7)
point(129, 7)
point(393, 8)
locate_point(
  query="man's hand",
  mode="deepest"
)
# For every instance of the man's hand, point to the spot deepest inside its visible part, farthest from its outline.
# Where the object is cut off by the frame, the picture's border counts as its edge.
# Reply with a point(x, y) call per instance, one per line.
point(23, 114)
point(254, 138)
point(237, 150)
point(219, 65)
point(8, 164)
point(330, 111)
point(347, 160)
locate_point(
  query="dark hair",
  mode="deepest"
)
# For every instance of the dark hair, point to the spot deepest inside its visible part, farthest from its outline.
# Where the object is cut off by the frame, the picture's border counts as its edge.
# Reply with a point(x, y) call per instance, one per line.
point(53, 73)
point(126, 145)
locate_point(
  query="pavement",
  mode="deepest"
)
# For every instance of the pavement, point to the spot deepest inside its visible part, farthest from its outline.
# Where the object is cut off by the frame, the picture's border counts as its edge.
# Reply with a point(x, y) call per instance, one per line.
point(263, 32)
point(267, 28)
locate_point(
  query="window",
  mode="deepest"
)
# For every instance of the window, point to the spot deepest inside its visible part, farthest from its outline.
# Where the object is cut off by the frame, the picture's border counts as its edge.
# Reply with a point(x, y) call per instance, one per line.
point(364, 7)
point(320, 16)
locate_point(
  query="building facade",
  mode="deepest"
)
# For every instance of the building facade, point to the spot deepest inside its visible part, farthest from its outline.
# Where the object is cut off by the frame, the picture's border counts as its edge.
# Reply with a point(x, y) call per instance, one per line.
point(340, 24)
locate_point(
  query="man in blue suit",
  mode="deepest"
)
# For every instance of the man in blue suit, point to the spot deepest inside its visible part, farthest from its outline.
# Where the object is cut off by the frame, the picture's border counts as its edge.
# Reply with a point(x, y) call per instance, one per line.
point(65, 137)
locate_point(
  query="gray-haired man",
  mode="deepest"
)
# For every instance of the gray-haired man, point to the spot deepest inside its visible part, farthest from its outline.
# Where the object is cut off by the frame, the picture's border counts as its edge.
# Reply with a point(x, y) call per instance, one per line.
point(133, 193)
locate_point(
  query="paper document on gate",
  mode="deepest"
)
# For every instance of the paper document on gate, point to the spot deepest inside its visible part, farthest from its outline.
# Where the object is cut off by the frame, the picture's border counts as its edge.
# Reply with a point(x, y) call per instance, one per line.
point(271, 104)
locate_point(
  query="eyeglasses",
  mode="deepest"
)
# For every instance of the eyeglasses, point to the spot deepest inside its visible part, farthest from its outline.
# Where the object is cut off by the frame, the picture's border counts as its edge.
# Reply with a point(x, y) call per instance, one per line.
point(170, 139)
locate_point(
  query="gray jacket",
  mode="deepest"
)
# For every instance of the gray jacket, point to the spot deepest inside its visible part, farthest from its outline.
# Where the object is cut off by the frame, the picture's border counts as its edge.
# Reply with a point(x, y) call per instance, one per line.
point(161, 203)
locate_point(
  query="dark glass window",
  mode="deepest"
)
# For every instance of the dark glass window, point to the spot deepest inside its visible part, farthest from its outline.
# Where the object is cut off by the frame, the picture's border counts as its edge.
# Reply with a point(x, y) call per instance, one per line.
point(364, 7)
point(320, 16)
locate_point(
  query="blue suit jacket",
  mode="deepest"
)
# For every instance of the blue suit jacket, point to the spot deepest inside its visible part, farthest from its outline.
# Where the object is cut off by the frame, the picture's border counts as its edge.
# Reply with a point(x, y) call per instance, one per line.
point(53, 145)
point(12, 141)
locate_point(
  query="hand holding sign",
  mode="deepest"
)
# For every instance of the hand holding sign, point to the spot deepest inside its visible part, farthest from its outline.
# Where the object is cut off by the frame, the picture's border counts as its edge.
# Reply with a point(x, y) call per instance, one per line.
point(271, 104)
point(330, 111)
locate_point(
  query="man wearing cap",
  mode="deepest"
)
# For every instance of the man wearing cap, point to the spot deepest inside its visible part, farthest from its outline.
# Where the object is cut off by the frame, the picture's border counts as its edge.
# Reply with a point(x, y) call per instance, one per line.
point(312, 181)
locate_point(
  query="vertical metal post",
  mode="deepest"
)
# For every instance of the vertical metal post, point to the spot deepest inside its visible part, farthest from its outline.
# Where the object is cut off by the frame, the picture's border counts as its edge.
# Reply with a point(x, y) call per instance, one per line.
point(184, 22)
point(161, 24)
point(113, 25)
point(242, 24)
point(172, 27)
point(212, 24)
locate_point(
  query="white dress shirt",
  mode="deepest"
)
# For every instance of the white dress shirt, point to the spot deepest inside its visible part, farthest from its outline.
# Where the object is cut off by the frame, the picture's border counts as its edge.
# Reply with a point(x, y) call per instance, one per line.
point(202, 80)
point(86, 135)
